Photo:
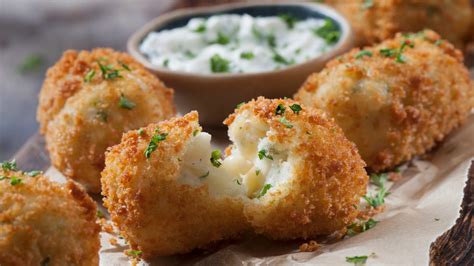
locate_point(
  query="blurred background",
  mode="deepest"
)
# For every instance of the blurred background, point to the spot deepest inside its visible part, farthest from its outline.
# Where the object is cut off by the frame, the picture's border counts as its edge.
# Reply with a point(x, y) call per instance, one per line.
point(34, 34)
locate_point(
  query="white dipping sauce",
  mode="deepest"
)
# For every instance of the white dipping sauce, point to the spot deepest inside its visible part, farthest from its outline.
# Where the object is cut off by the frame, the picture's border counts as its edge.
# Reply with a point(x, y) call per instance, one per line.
point(239, 43)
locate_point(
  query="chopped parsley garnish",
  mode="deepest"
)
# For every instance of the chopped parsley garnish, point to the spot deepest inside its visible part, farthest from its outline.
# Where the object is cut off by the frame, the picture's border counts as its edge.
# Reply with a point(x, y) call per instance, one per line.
point(108, 71)
point(99, 214)
point(166, 62)
point(367, 4)
point(189, 54)
point(222, 39)
point(257, 33)
point(31, 63)
point(257, 172)
point(378, 199)
point(141, 131)
point(215, 158)
point(285, 122)
point(264, 190)
point(238, 182)
point(15, 180)
point(280, 110)
point(247, 55)
point(264, 154)
point(296, 108)
point(379, 179)
point(102, 115)
point(280, 59)
point(125, 66)
point(2, 177)
point(126, 103)
point(154, 143)
point(328, 32)
point(200, 29)
point(9, 166)
point(438, 42)
point(397, 53)
point(239, 105)
point(205, 175)
point(89, 76)
point(219, 64)
point(34, 173)
point(134, 253)
point(357, 260)
point(271, 40)
point(363, 53)
point(388, 52)
point(195, 132)
point(356, 228)
point(289, 19)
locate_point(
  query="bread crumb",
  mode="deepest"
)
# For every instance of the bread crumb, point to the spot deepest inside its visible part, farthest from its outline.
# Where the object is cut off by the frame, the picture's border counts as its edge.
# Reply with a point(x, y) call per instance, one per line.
point(113, 241)
point(309, 246)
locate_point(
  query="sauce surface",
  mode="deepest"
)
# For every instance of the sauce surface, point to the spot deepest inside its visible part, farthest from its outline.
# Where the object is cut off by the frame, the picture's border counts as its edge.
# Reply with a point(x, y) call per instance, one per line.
point(232, 43)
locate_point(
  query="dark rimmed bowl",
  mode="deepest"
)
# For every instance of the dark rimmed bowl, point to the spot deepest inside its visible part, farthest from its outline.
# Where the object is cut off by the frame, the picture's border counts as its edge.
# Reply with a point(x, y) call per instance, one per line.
point(216, 95)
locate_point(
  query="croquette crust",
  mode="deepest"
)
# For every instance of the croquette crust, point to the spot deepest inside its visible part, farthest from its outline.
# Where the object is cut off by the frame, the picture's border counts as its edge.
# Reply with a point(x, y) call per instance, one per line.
point(383, 19)
point(80, 118)
point(393, 111)
point(40, 219)
point(155, 213)
point(329, 180)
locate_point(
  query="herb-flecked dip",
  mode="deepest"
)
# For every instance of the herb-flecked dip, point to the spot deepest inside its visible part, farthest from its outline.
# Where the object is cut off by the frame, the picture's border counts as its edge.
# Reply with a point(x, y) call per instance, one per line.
point(231, 43)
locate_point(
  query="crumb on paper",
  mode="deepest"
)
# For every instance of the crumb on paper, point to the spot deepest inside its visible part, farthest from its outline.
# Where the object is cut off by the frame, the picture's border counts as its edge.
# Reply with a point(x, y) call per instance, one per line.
point(394, 176)
point(309, 246)
point(113, 241)
point(370, 212)
point(106, 226)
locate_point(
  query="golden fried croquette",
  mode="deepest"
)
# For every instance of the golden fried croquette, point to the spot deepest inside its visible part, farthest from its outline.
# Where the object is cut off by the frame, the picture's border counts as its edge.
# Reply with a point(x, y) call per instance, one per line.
point(302, 176)
point(46, 223)
point(88, 100)
point(375, 21)
point(394, 100)
point(290, 172)
point(165, 204)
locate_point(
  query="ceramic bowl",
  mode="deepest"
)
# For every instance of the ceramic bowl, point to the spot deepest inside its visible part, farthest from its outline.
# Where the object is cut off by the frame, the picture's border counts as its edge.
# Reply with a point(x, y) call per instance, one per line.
point(215, 96)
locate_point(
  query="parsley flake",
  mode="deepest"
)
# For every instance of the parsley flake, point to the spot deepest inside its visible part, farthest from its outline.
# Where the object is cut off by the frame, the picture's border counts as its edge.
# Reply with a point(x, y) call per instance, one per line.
point(99, 214)
point(134, 253)
point(108, 71)
point(201, 28)
point(379, 179)
point(34, 173)
point(154, 143)
point(89, 76)
point(125, 66)
point(289, 19)
point(271, 40)
point(238, 182)
point(195, 132)
point(9, 166)
point(357, 260)
point(296, 108)
point(215, 158)
point(257, 172)
point(247, 55)
point(264, 154)
point(126, 103)
point(222, 39)
point(264, 190)
point(219, 64)
point(280, 110)
point(280, 59)
point(363, 53)
point(285, 122)
point(378, 199)
point(239, 105)
point(15, 181)
point(328, 32)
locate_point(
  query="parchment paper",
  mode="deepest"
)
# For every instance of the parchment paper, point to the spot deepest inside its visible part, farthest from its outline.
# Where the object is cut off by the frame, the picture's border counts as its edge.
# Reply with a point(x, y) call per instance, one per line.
point(422, 205)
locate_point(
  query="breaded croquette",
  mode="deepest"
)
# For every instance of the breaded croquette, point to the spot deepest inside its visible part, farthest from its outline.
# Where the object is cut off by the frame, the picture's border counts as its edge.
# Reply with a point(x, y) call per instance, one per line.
point(88, 100)
point(375, 21)
point(394, 100)
point(301, 174)
point(164, 193)
point(290, 171)
point(46, 223)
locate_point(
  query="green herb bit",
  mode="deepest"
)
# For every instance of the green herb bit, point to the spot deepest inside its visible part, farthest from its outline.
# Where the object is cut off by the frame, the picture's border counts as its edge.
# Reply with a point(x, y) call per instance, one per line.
point(379, 179)
point(108, 71)
point(200, 29)
point(126, 103)
point(328, 32)
point(285, 122)
point(271, 40)
point(99, 214)
point(166, 62)
point(296, 108)
point(363, 53)
point(205, 175)
point(264, 154)
point(154, 143)
point(438, 42)
point(141, 131)
point(247, 55)
point(289, 19)
point(9, 166)
point(257, 33)
point(378, 199)
point(222, 39)
point(134, 253)
point(31, 63)
point(215, 158)
point(257, 172)
point(238, 182)
point(239, 105)
point(388, 52)
point(357, 260)
point(2, 177)
point(89, 76)
point(15, 180)
point(280, 59)
point(280, 110)
point(102, 115)
point(125, 66)
point(195, 132)
point(189, 54)
point(264, 190)
point(219, 64)
point(34, 173)
point(367, 4)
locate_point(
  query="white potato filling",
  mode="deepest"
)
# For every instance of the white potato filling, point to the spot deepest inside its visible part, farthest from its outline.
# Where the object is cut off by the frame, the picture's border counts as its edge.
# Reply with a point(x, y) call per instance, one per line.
point(254, 167)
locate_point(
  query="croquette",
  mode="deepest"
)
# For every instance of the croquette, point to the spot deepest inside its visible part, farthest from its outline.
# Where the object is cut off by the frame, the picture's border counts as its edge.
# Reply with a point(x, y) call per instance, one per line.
point(46, 223)
point(394, 100)
point(376, 21)
point(88, 100)
point(290, 173)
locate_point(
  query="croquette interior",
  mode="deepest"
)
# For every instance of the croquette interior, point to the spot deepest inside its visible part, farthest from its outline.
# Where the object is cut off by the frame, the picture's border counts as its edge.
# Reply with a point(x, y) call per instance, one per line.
point(253, 165)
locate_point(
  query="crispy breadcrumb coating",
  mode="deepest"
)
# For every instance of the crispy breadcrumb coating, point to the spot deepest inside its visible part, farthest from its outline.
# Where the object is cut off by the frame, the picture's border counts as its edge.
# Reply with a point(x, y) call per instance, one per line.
point(375, 21)
point(393, 102)
point(88, 100)
point(313, 175)
point(46, 223)
point(154, 210)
